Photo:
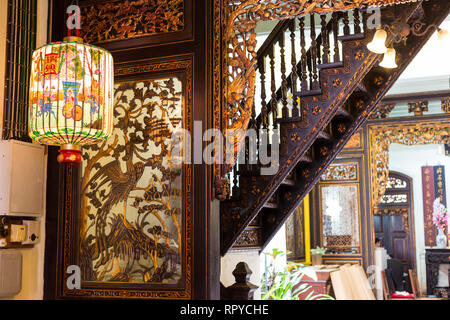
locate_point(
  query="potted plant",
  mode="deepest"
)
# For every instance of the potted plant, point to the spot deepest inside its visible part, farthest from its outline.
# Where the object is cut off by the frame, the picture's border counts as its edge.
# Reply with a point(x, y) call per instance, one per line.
point(316, 256)
point(284, 285)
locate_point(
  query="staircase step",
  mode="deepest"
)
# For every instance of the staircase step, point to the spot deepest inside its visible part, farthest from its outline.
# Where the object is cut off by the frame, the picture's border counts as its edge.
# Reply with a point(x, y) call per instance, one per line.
point(342, 112)
point(270, 205)
point(361, 88)
point(330, 65)
point(324, 135)
point(255, 222)
point(306, 158)
point(289, 182)
point(358, 36)
point(308, 93)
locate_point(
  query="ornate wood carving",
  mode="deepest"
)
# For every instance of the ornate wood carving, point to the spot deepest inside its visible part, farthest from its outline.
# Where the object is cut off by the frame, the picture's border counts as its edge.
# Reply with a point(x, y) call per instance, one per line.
point(445, 105)
point(382, 111)
point(408, 133)
point(341, 241)
point(341, 172)
point(248, 238)
point(119, 20)
point(295, 235)
point(418, 107)
point(158, 228)
point(355, 141)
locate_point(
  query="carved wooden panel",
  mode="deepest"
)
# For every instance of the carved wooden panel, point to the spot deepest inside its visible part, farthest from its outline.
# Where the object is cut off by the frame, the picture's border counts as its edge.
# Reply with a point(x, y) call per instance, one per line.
point(396, 183)
point(394, 198)
point(407, 133)
point(295, 234)
point(131, 201)
point(433, 259)
point(134, 228)
point(339, 241)
point(104, 22)
point(341, 172)
point(249, 238)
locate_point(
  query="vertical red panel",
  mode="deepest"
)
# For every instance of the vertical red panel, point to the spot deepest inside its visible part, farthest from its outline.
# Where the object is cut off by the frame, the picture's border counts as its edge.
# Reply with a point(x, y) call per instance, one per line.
point(439, 186)
point(428, 198)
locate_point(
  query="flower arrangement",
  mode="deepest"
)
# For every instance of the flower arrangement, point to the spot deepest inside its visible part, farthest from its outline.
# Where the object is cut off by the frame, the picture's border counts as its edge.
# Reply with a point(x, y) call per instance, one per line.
point(440, 214)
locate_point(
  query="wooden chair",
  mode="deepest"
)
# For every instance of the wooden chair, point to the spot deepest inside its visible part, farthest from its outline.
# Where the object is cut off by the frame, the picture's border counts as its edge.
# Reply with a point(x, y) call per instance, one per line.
point(414, 283)
point(386, 292)
point(415, 286)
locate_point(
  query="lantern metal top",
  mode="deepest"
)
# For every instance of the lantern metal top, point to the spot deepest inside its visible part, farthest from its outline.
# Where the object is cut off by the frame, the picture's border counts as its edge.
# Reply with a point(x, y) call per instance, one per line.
point(70, 147)
point(73, 39)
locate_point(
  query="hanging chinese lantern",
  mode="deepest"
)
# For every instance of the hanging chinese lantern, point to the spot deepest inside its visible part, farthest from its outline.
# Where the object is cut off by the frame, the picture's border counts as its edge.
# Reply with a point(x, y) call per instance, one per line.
point(71, 96)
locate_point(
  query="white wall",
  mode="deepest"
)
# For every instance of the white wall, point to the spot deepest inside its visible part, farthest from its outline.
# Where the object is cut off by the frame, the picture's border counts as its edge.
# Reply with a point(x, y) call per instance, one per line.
point(255, 261)
point(409, 160)
point(32, 259)
point(432, 60)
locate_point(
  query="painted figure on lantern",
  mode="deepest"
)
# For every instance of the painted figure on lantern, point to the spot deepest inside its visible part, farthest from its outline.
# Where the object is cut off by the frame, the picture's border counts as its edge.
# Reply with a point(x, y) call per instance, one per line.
point(93, 101)
point(45, 103)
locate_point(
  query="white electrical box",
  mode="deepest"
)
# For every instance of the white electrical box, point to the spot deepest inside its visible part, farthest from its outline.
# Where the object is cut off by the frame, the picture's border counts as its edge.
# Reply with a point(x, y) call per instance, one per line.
point(32, 232)
point(10, 272)
point(22, 178)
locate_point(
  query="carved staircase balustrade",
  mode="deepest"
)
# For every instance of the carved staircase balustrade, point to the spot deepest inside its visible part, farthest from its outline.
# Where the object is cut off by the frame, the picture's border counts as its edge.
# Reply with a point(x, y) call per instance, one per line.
point(236, 58)
point(338, 86)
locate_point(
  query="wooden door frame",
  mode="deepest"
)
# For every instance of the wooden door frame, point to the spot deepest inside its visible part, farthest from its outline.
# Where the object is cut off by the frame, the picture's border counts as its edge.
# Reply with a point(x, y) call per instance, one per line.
point(411, 220)
point(432, 129)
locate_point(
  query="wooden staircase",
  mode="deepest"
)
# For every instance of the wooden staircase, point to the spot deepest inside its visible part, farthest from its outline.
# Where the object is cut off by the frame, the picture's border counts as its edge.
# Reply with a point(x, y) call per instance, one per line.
point(339, 83)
